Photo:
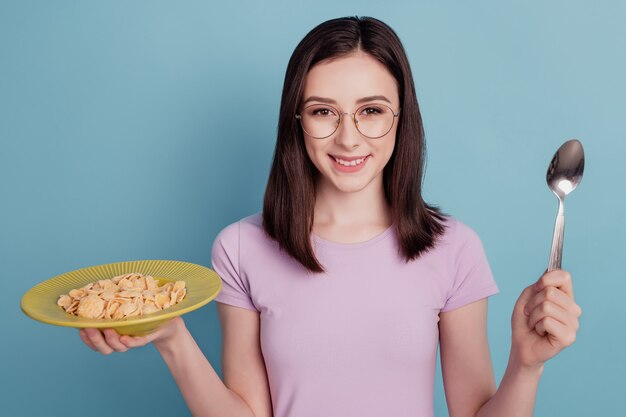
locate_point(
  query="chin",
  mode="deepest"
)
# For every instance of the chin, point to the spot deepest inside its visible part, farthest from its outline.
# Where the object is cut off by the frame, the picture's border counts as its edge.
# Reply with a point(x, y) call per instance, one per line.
point(351, 186)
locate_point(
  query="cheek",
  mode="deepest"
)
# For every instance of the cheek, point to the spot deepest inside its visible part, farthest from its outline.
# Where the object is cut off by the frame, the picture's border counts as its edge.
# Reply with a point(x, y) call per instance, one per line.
point(312, 152)
point(388, 147)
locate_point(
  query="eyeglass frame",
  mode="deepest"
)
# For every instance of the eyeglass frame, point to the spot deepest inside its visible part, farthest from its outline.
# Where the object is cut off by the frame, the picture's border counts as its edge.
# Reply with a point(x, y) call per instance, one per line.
point(353, 114)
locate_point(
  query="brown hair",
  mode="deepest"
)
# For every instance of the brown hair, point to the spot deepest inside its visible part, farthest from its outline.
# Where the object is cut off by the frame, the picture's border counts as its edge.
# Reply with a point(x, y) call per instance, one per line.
point(290, 193)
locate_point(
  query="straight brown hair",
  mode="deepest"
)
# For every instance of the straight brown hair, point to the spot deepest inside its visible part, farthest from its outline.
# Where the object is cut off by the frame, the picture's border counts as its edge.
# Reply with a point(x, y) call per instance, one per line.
point(288, 208)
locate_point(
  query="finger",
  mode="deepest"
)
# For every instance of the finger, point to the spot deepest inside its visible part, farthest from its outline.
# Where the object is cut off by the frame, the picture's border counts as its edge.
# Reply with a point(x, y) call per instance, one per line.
point(113, 339)
point(134, 341)
point(559, 334)
point(138, 341)
point(98, 341)
point(556, 296)
point(85, 339)
point(558, 278)
point(548, 309)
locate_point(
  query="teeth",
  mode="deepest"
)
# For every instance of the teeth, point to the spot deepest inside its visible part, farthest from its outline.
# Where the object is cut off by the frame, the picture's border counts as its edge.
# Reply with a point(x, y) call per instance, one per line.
point(352, 163)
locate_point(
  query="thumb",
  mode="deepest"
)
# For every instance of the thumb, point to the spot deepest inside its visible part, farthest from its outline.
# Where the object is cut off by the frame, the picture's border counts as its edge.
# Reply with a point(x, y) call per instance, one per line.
point(519, 317)
point(138, 341)
point(166, 330)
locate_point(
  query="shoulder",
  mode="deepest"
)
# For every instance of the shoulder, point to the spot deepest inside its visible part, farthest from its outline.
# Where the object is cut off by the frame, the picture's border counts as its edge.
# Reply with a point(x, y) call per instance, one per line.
point(250, 224)
point(248, 229)
point(458, 233)
point(459, 241)
point(462, 247)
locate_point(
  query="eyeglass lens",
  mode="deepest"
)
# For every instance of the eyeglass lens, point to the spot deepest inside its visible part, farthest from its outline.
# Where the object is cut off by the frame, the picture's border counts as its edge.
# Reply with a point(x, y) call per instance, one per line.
point(372, 120)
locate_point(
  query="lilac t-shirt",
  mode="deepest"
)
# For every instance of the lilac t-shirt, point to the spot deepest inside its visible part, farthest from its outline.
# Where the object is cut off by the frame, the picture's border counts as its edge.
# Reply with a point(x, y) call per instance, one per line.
point(360, 339)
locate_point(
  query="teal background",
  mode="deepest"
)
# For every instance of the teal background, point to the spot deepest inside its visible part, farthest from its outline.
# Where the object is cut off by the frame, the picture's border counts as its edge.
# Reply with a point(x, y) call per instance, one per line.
point(137, 130)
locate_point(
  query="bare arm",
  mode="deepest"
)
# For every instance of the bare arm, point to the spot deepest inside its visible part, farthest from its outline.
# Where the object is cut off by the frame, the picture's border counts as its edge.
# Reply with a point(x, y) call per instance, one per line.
point(465, 359)
point(242, 360)
point(241, 394)
point(245, 392)
point(468, 374)
point(544, 322)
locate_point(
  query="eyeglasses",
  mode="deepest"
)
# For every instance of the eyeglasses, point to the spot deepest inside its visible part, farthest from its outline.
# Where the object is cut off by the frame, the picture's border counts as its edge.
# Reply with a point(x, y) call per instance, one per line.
point(371, 120)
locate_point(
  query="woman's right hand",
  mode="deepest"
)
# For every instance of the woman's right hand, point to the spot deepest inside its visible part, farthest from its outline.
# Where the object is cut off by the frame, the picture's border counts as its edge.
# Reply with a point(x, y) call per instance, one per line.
point(107, 341)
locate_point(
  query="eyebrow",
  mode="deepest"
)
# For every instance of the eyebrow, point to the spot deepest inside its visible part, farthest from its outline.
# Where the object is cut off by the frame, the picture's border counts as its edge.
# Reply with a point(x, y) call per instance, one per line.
point(359, 101)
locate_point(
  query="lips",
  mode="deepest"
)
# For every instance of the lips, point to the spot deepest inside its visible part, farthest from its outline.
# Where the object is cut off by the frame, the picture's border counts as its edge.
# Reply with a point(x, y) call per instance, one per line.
point(349, 161)
point(347, 164)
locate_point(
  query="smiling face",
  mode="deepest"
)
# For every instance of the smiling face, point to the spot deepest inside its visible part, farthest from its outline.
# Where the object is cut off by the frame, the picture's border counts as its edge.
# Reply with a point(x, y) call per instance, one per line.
point(347, 160)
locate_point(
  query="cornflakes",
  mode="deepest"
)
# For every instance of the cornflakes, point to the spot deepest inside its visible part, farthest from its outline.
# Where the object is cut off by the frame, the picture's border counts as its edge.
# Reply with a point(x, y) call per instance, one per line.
point(127, 295)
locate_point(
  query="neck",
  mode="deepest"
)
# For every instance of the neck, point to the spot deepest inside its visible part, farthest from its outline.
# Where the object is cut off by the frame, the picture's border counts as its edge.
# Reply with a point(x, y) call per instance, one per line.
point(364, 207)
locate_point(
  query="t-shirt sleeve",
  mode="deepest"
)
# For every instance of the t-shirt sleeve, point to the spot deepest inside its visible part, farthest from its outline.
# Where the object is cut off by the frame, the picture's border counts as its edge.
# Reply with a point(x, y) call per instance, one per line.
point(225, 261)
point(473, 279)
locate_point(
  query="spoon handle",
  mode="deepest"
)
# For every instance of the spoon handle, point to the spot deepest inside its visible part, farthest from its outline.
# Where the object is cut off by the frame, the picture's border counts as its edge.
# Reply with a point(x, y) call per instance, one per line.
point(556, 252)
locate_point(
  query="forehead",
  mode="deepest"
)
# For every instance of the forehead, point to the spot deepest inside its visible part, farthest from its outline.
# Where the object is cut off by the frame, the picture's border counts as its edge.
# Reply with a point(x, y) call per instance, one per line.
point(348, 78)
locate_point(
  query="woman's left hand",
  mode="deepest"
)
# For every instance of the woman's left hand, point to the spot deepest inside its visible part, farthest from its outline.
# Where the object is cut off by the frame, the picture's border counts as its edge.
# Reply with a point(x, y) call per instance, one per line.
point(545, 320)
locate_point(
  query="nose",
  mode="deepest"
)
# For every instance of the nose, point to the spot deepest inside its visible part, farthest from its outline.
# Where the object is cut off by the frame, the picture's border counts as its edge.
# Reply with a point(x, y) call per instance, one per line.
point(347, 134)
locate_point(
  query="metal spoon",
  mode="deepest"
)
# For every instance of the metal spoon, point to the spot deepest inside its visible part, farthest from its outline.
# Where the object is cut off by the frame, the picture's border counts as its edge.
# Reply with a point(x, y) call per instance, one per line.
point(564, 174)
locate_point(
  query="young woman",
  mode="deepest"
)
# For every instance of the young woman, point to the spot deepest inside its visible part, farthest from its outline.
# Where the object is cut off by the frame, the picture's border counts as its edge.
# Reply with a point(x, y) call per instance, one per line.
point(338, 295)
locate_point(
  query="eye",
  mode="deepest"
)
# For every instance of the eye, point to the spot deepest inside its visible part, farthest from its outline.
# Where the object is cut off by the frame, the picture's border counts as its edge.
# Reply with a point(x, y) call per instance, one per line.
point(321, 111)
point(372, 111)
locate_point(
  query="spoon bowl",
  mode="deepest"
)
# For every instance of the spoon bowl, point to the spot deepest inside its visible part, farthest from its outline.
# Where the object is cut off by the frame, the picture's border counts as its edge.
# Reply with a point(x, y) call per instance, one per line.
point(564, 174)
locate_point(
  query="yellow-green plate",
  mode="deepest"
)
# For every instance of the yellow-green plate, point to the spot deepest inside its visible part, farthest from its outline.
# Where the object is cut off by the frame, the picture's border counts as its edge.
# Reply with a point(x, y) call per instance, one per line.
point(202, 283)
